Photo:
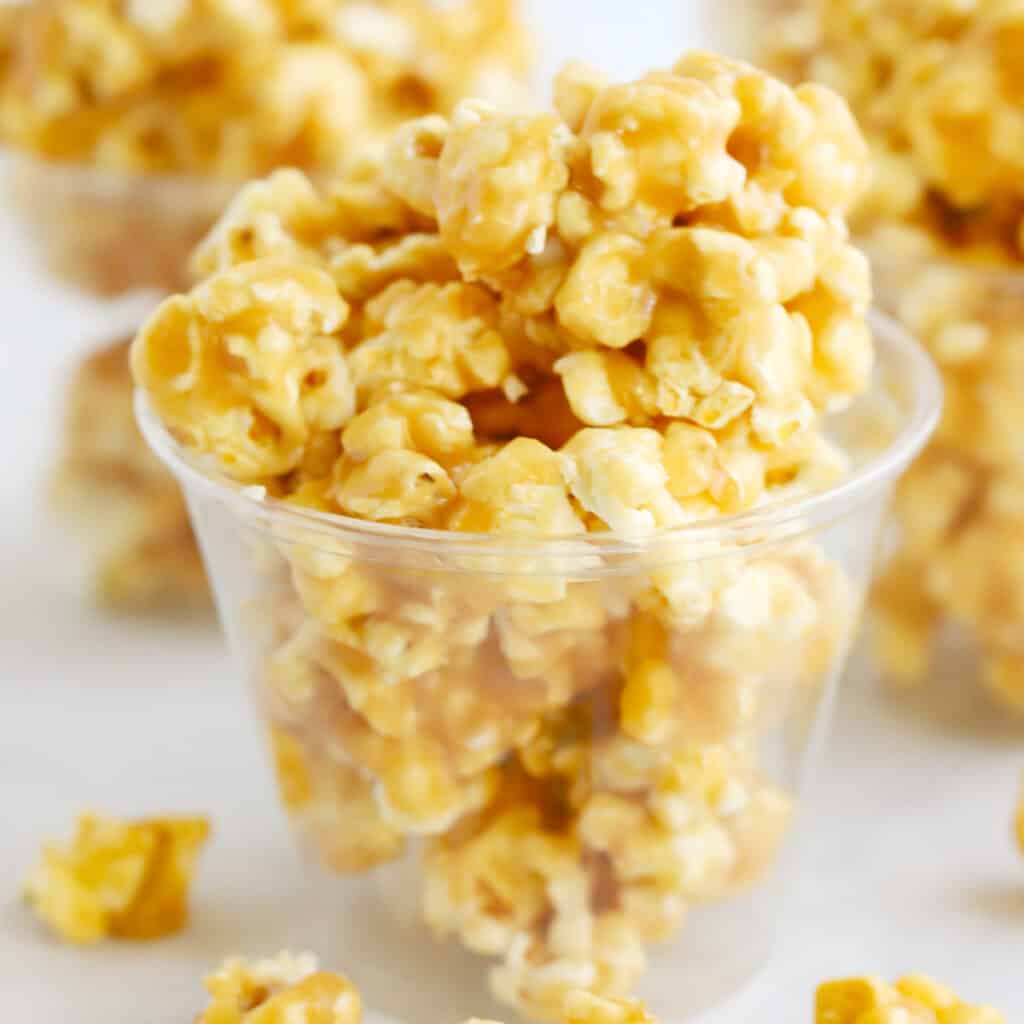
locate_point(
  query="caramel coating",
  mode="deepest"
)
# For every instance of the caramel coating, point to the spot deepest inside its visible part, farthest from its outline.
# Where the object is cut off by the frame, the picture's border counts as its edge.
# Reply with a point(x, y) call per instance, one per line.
point(283, 990)
point(115, 879)
point(914, 998)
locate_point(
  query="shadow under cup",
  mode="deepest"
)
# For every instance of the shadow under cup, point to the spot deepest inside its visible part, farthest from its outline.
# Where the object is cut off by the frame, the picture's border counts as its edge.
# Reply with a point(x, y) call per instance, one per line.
point(528, 766)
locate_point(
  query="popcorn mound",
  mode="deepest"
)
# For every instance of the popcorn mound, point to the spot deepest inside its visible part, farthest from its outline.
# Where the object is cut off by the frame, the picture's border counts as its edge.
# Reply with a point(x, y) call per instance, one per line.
point(913, 999)
point(298, 83)
point(133, 123)
point(123, 880)
point(602, 323)
point(937, 87)
point(121, 499)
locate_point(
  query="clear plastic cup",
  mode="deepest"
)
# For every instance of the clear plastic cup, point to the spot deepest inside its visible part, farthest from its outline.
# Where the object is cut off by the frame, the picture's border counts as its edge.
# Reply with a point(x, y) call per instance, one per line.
point(111, 233)
point(119, 239)
point(958, 556)
point(529, 765)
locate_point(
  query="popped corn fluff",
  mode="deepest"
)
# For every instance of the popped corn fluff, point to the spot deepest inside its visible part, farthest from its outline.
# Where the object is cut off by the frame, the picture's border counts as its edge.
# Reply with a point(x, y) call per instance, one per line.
point(118, 879)
point(233, 89)
point(915, 998)
point(283, 989)
point(671, 251)
point(629, 315)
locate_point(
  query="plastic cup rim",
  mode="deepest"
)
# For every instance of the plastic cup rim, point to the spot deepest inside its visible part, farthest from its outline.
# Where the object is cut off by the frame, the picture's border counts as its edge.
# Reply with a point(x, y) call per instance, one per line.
point(788, 519)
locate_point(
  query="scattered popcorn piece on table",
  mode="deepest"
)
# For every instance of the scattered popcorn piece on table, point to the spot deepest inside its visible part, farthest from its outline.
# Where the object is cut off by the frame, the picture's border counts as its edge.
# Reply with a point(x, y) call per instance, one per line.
point(912, 1000)
point(116, 879)
point(282, 990)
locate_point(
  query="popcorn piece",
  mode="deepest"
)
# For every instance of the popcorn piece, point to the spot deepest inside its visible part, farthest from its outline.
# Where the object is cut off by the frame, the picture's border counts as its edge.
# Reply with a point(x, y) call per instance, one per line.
point(659, 146)
point(117, 495)
point(605, 299)
point(247, 366)
point(606, 388)
point(443, 338)
point(499, 179)
point(915, 998)
point(124, 880)
point(586, 1008)
point(520, 491)
point(618, 475)
point(287, 988)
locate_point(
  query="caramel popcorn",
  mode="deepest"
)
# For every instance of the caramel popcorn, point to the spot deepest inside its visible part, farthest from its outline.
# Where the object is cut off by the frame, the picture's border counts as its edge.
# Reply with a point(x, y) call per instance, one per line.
point(124, 880)
point(132, 124)
point(582, 328)
point(121, 499)
point(935, 86)
point(296, 84)
point(279, 991)
point(914, 998)
point(961, 506)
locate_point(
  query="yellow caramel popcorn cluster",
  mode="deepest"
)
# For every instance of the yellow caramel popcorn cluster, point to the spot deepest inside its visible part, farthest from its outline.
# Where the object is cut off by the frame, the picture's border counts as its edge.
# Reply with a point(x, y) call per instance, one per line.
point(285, 990)
point(120, 498)
point(289, 989)
point(912, 1000)
point(700, 312)
point(583, 769)
point(569, 889)
point(132, 124)
point(233, 89)
point(937, 88)
point(624, 317)
point(1018, 822)
point(116, 879)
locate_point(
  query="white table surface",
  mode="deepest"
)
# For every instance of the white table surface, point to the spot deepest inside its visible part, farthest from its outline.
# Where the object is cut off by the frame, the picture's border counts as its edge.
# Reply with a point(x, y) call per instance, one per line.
point(907, 861)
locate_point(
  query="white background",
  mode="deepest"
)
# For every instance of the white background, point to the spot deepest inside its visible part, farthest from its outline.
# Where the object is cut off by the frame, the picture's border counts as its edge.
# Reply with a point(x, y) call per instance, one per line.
point(907, 863)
